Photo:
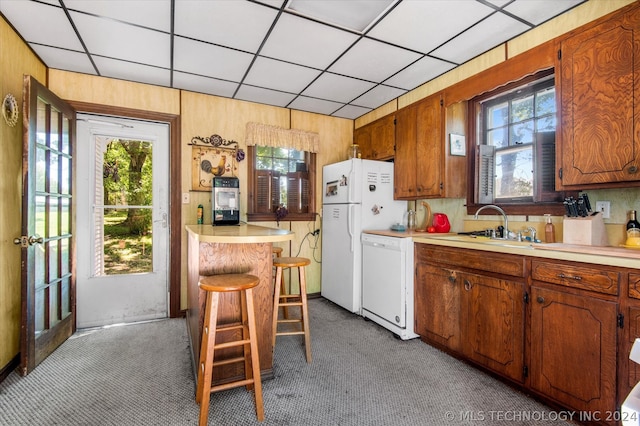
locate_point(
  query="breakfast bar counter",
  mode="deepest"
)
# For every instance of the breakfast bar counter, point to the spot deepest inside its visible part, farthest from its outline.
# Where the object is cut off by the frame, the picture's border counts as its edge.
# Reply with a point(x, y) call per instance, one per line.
point(242, 249)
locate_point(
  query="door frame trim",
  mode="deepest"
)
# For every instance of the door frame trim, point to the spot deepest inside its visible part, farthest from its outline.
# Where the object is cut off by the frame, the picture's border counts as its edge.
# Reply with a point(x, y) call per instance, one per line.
point(175, 170)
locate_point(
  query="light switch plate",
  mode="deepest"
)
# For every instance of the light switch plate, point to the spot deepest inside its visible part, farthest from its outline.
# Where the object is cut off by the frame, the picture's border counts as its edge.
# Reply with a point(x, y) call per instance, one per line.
point(604, 207)
point(186, 198)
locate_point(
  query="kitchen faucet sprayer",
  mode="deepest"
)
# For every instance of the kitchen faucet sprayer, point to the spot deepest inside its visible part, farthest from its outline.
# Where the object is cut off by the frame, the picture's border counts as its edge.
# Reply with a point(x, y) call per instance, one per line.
point(505, 235)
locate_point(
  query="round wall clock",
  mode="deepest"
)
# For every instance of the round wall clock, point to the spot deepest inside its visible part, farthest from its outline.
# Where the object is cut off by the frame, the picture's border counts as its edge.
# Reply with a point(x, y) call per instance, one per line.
point(10, 110)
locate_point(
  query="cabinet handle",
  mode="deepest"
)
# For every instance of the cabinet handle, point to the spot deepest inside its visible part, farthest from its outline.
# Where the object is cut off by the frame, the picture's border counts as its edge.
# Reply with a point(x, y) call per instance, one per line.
point(540, 299)
point(452, 279)
point(570, 277)
point(633, 169)
point(467, 285)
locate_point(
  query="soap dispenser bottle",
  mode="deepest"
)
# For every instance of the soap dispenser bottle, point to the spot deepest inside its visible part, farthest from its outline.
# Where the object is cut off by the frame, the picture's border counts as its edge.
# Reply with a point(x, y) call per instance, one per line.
point(549, 230)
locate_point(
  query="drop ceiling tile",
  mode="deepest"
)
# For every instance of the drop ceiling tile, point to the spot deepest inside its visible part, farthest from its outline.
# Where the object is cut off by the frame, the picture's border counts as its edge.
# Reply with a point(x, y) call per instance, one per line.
point(237, 24)
point(355, 15)
point(419, 72)
point(279, 75)
point(337, 88)
point(264, 96)
point(377, 96)
point(138, 12)
point(317, 106)
point(488, 34)
point(427, 24)
point(373, 61)
point(319, 47)
point(208, 60)
point(499, 3)
point(106, 37)
point(130, 71)
point(40, 23)
point(200, 84)
point(351, 112)
point(539, 11)
point(64, 59)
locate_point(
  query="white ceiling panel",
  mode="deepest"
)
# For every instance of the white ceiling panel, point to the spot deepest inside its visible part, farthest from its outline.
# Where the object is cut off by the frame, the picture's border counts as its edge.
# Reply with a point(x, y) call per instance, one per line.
point(484, 36)
point(262, 51)
point(40, 23)
point(319, 106)
point(280, 75)
point(373, 61)
point(64, 59)
point(197, 57)
point(427, 24)
point(318, 46)
point(264, 96)
point(351, 112)
point(132, 72)
point(235, 24)
point(200, 84)
point(417, 73)
point(539, 11)
point(337, 88)
point(136, 12)
point(377, 96)
point(114, 39)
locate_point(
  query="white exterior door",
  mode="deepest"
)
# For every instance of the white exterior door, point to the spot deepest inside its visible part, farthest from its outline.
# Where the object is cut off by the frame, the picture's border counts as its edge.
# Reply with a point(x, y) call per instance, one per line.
point(122, 212)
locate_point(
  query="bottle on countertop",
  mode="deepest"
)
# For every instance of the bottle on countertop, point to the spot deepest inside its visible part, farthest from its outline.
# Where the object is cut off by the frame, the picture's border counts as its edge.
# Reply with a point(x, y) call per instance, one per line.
point(549, 230)
point(633, 227)
point(200, 214)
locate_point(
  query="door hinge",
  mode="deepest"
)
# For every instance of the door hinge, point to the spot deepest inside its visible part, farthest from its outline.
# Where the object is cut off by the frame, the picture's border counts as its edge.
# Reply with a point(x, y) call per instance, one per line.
point(560, 173)
point(525, 371)
point(620, 320)
point(526, 298)
point(441, 185)
point(559, 53)
point(441, 102)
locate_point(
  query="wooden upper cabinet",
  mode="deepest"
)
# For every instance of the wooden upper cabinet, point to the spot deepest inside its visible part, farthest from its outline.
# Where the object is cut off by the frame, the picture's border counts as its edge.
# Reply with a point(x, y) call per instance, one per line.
point(424, 167)
point(377, 139)
point(599, 88)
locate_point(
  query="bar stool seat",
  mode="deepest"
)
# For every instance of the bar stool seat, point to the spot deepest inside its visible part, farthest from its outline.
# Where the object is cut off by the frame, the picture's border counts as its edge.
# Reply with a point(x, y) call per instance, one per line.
point(214, 285)
point(284, 300)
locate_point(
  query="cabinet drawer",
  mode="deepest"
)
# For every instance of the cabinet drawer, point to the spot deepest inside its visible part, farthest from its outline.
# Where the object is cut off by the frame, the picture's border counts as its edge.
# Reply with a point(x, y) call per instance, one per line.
point(634, 286)
point(584, 277)
point(475, 259)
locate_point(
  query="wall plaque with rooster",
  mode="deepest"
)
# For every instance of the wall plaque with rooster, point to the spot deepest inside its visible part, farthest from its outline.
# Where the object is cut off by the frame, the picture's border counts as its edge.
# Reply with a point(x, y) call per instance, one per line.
point(212, 156)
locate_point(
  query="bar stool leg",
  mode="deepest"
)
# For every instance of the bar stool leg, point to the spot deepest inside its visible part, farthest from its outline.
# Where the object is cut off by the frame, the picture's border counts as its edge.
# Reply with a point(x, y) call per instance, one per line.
point(255, 359)
point(276, 304)
point(305, 311)
point(205, 368)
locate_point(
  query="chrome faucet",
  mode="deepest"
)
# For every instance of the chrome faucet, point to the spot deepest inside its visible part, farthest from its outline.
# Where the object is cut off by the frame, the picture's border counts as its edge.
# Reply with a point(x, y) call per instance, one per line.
point(505, 235)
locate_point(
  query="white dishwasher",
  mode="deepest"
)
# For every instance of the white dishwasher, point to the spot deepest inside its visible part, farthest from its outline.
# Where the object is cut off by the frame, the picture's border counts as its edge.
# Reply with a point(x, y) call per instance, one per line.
point(387, 283)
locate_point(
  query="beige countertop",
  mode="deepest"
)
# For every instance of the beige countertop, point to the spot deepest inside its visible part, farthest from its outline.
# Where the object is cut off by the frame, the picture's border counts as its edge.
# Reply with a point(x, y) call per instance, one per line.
point(611, 256)
point(238, 234)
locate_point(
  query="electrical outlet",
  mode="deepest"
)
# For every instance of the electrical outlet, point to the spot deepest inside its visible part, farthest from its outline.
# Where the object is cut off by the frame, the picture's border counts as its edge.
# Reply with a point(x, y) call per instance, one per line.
point(316, 232)
point(186, 198)
point(604, 207)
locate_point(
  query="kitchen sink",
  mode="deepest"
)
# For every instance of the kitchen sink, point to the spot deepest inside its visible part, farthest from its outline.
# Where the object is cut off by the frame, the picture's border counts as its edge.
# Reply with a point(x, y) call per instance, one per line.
point(484, 240)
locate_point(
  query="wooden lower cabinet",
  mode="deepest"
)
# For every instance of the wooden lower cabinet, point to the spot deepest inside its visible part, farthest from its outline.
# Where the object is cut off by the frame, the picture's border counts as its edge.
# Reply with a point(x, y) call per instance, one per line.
point(493, 323)
point(573, 349)
point(437, 305)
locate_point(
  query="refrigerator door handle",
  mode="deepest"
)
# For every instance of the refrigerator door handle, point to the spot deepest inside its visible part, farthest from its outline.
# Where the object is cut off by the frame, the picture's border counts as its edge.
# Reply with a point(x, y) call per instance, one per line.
point(350, 225)
point(351, 184)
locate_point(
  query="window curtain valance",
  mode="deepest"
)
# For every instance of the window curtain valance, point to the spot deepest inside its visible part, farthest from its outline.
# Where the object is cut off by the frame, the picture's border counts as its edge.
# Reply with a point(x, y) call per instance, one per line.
point(279, 137)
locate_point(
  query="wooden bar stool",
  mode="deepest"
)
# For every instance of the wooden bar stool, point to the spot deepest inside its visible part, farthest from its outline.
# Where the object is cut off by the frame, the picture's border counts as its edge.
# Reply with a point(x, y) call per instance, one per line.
point(214, 285)
point(277, 252)
point(287, 300)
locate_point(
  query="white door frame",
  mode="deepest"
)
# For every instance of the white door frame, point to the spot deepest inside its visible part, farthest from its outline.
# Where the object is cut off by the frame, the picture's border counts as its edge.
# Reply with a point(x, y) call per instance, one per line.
point(104, 300)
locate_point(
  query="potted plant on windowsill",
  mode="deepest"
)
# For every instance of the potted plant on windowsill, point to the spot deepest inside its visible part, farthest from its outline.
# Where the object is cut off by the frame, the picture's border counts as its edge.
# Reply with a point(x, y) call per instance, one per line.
point(281, 212)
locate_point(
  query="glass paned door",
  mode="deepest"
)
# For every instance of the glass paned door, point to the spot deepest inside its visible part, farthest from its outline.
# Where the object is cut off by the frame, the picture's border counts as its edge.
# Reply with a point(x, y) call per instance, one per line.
point(48, 284)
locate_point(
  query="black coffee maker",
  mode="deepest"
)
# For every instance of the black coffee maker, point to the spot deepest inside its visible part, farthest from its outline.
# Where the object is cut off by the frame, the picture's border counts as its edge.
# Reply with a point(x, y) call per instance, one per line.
point(225, 200)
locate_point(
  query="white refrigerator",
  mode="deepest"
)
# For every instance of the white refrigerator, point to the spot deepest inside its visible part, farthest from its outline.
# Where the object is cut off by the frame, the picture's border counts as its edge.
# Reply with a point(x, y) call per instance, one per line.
point(358, 194)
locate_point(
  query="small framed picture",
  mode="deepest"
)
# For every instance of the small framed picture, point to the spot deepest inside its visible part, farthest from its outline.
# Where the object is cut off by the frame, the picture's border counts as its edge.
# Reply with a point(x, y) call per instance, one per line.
point(457, 145)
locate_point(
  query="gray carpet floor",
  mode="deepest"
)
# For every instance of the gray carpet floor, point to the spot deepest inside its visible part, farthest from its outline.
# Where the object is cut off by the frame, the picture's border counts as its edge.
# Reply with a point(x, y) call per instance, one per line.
point(140, 374)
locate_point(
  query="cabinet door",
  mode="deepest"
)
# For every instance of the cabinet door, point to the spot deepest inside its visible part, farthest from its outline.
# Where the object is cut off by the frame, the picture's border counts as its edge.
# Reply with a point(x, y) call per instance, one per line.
point(383, 138)
point(573, 349)
point(405, 158)
point(437, 305)
point(493, 323)
point(599, 92)
point(362, 137)
point(429, 147)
